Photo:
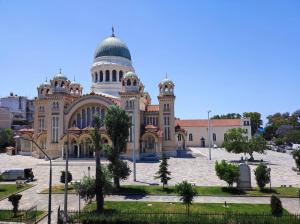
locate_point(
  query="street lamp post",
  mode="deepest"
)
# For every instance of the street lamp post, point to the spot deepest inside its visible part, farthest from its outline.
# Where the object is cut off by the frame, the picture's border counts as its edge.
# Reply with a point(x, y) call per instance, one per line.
point(209, 134)
point(133, 150)
point(50, 174)
point(66, 181)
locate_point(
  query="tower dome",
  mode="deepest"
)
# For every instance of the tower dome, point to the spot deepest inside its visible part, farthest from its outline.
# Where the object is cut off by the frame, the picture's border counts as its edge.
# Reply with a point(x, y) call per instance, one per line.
point(112, 46)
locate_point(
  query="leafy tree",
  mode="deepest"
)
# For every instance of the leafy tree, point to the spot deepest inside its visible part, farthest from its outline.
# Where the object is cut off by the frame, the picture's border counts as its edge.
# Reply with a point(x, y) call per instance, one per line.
point(96, 136)
point(293, 136)
point(62, 177)
point(117, 124)
point(269, 132)
point(262, 175)
point(86, 188)
point(230, 173)
point(256, 144)
point(256, 121)
point(227, 116)
point(15, 199)
point(276, 206)
point(186, 193)
point(163, 173)
point(236, 142)
point(6, 137)
point(296, 157)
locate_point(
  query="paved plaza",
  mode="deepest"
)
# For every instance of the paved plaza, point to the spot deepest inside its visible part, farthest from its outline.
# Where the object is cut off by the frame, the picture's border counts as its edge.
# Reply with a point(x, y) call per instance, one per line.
point(198, 169)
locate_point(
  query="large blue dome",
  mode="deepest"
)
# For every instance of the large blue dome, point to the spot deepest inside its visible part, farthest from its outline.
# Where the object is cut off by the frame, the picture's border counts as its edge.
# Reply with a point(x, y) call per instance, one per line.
point(112, 46)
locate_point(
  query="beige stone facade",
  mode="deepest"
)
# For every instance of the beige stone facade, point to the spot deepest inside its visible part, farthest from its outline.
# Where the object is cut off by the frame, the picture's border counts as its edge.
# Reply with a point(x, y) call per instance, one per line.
point(63, 114)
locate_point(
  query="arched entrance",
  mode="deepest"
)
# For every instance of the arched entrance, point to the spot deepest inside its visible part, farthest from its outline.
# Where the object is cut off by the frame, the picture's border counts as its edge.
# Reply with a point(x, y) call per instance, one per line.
point(149, 143)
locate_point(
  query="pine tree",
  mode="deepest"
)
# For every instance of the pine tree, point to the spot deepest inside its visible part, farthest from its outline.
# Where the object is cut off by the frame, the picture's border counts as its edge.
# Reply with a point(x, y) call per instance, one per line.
point(163, 173)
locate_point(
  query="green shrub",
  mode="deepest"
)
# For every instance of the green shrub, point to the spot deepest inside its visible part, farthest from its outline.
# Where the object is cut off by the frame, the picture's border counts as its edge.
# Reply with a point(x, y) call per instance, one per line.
point(187, 193)
point(62, 177)
point(15, 199)
point(262, 175)
point(227, 172)
point(276, 206)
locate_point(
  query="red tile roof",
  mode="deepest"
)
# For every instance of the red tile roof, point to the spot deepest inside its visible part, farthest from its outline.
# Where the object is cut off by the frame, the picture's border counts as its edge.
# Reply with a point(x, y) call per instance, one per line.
point(152, 108)
point(204, 122)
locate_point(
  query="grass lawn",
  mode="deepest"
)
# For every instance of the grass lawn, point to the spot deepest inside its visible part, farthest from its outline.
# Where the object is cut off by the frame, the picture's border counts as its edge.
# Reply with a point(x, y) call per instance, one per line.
point(8, 189)
point(7, 215)
point(202, 190)
point(161, 207)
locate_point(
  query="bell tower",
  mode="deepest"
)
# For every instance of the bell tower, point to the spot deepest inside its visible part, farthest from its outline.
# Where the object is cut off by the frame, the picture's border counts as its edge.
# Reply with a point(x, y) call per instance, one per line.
point(166, 100)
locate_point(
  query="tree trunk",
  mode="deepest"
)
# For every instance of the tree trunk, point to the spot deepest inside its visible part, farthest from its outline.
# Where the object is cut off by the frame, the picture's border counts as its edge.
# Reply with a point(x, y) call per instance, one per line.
point(99, 190)
point(116, 183)
point(163, 185)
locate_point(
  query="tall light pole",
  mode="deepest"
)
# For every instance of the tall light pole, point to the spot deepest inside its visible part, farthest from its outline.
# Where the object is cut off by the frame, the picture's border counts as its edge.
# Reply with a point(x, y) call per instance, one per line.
point(209, 134)
point(66, 181)
point(50, 174)
point(134, 126)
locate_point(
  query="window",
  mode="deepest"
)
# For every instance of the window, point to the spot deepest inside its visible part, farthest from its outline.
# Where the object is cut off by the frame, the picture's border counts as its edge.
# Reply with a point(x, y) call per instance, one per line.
point(107, 79)
point(120, 76)
point(190, 137)
point(41, 124)
point(130, 130)
point(128, 82)
point(167, 128)
point(114, 75)
point(96, 77)
point(54, 124)
point(214, 137)
point(101, 76)
point(83, 118)
point(134, 82)
point(179, 137)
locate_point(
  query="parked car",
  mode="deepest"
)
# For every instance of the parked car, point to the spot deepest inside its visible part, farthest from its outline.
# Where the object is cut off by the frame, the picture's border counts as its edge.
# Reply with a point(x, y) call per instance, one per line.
point(281, 149)
point(17, 174)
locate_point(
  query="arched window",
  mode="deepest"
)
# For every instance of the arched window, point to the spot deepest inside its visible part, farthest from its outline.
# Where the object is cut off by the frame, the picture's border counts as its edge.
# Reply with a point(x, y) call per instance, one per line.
point(214, 137)
point(179, 137)
point(120, 75)
point(55, 84)
point(190, 137)
point(134, 82)
point(96, 77)
point(41, 91)
point(114, 75)
point(128, 82)
point(101, 76)
point(62, 84)
point(48, 91)
point(107, 79)
point(71, 90)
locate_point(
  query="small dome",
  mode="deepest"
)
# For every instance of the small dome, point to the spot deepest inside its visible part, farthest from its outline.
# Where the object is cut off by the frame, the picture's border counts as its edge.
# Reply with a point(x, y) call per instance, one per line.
point(44, 84)
point(112, 46)
point(75, 83)
point(60, 76)
point(166, 81)
point(130, 75)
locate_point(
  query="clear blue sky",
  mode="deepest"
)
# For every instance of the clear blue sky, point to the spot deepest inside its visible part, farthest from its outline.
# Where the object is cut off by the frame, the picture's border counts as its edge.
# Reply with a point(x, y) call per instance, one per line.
point(227, 56)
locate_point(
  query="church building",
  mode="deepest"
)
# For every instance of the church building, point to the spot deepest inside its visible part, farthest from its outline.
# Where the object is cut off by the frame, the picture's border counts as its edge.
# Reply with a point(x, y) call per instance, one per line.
point(64, 114)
